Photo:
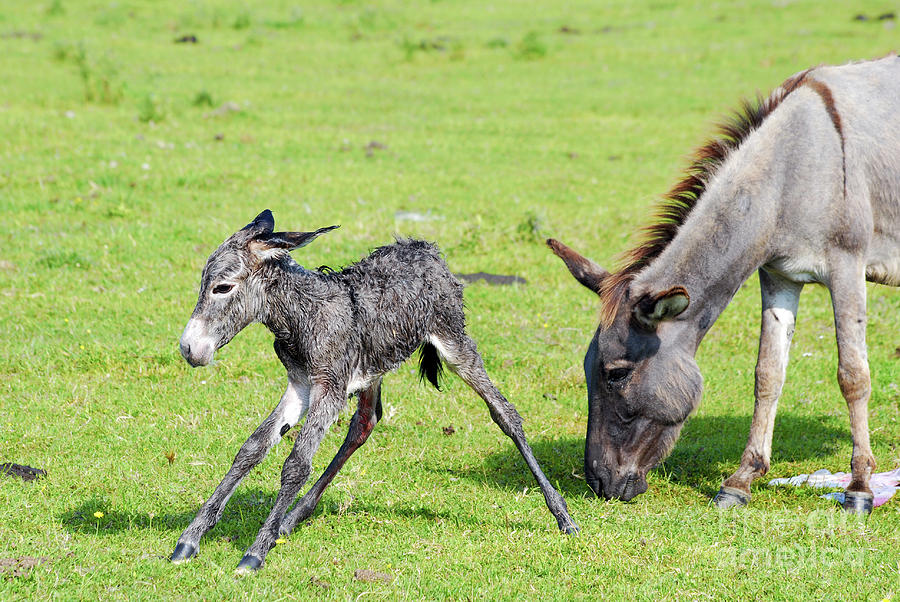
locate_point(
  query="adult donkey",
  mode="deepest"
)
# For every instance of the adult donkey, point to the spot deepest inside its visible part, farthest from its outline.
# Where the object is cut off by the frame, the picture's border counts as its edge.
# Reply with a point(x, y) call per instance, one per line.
point(802, 186)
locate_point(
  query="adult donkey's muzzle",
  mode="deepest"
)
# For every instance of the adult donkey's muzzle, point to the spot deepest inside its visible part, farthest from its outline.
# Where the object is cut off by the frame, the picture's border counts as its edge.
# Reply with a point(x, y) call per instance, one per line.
point(616, 485)
point(626, 486)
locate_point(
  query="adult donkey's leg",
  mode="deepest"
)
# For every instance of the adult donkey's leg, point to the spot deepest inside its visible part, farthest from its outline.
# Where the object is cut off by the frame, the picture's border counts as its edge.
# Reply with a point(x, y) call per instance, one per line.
point(285, 415)
point(364, 420)
point(848, 296)
point(461, 354)
point(326, 402)
point(780, 299)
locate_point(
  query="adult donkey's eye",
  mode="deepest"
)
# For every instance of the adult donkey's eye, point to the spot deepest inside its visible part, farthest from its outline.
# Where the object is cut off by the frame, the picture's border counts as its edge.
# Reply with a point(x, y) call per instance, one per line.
point(617, 376)
point(221, 289)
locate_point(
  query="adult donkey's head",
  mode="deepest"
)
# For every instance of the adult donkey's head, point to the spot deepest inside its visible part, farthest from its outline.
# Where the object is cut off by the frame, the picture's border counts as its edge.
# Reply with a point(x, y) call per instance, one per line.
point(641, 377)
point(232, 287)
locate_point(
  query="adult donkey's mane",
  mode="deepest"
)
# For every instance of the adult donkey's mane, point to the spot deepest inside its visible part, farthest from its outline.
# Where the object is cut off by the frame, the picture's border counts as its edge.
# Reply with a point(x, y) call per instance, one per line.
point(675, 207)
point(801, 187)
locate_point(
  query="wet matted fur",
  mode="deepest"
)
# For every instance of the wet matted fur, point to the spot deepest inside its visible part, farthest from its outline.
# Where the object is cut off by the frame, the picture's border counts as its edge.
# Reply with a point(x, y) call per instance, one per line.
point(337, 334)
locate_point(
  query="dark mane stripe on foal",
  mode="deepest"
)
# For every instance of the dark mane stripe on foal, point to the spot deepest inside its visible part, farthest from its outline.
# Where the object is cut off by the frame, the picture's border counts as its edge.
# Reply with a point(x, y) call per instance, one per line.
point(675, 207)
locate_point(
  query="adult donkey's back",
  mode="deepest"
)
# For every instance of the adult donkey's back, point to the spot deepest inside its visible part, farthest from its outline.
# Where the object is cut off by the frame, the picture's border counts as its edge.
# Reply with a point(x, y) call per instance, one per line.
point(803, 186)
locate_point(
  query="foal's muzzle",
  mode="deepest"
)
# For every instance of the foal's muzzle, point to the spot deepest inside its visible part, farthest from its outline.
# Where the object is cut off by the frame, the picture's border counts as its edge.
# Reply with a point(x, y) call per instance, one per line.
point(195, 345)
point(191, 357)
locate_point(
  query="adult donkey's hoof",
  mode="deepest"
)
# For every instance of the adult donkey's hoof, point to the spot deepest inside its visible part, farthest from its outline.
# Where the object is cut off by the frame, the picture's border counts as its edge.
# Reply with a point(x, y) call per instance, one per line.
point(858, 502)
point(249, 564)
point(729, 497)
point(183, 552)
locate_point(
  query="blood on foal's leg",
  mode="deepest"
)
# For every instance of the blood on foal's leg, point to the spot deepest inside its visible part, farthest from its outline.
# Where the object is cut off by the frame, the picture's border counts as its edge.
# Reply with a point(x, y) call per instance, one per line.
point(361, 426)
point(325, 405)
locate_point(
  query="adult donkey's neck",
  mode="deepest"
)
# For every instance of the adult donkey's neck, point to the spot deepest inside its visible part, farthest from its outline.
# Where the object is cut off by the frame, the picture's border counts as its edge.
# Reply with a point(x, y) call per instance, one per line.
point(735, 226)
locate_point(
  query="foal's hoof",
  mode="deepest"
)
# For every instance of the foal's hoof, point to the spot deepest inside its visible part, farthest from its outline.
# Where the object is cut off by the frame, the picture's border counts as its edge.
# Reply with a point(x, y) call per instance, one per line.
point(183, 552)
point(729, 497)
point(858, 502)
point(570, 529)
point(566, 524)
point(249, 564)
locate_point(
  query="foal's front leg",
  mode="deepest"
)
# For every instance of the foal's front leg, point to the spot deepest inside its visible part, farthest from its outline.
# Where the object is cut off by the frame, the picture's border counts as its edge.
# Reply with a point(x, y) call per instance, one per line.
point(780, 298)
point(326, 402)
point(286, 414)
point(364, 420)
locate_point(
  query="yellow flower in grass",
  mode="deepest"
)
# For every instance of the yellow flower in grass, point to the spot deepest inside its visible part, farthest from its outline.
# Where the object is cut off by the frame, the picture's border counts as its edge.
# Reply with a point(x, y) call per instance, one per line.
point(98, 514)
point(280, 541)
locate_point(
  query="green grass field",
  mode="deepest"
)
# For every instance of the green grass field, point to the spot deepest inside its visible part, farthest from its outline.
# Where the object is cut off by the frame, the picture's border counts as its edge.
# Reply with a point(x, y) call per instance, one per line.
point(126, 158)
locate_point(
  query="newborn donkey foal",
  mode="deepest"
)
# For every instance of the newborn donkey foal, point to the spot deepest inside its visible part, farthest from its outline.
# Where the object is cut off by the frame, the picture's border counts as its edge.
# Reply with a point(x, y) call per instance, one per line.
point(337, 334)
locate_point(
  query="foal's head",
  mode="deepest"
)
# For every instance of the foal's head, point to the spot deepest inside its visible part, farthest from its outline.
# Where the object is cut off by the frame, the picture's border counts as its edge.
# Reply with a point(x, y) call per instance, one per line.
point(232, 291)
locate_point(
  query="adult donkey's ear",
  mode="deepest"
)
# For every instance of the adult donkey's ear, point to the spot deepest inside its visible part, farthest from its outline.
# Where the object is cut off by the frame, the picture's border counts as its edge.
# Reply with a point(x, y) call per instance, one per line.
point(585, 271)
point(653, 308)
point(262, 225)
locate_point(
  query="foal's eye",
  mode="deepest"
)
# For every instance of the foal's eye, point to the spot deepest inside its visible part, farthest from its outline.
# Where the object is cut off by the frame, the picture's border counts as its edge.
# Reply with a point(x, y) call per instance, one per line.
point(617, 376)
point(221, 289)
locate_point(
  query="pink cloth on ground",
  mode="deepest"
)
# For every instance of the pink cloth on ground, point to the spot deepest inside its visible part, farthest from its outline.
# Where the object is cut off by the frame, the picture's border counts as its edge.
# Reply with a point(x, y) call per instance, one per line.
point(884, 484)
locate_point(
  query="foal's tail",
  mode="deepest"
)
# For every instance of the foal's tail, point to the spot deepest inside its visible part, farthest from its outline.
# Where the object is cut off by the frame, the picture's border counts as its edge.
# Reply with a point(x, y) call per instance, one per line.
point(430, 366)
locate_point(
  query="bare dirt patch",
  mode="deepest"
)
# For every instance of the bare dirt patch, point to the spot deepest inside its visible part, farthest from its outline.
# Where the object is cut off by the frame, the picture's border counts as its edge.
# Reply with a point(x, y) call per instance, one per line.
point(14, 568)
point(370, 576)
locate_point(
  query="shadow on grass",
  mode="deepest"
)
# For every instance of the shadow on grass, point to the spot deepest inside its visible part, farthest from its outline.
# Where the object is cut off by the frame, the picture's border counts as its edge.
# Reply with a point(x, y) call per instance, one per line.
point(710, 447)
point(243, 516)
point(709, 450)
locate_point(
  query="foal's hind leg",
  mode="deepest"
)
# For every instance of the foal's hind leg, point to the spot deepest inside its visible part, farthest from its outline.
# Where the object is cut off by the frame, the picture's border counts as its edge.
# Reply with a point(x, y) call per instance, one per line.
point(780, 298)
point(285, 415)
point(364, 420)
point(462, 356)
point(848, 296)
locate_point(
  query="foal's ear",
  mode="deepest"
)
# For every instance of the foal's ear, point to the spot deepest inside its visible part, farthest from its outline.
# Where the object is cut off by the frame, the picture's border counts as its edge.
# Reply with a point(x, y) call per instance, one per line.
point(585, 271)
point(261, 225)
point(653, 308)
point(287, 241)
